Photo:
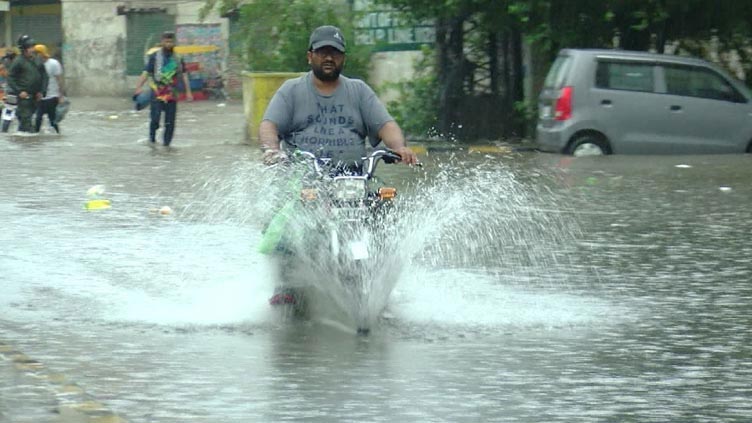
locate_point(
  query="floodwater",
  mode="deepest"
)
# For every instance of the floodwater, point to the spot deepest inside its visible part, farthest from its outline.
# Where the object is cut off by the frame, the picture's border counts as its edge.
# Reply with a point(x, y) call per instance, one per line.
point(534, 287)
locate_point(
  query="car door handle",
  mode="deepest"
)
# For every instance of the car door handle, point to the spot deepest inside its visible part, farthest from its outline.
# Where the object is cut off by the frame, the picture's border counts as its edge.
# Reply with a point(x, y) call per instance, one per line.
point(605, 102)
point(675, 108)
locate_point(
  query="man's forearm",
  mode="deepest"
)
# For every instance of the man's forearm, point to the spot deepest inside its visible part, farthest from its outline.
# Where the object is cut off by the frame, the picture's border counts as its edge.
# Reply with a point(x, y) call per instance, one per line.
point(141, 81)
point(268, 135)
point(392, 136)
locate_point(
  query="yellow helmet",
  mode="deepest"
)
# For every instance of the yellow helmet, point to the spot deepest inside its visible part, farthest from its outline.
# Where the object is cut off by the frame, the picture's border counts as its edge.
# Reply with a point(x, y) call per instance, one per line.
point(42, 50)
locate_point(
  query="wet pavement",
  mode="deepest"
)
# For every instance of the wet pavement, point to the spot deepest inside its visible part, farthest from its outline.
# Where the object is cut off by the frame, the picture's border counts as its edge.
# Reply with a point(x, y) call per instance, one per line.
point(29, 392)
point(536, 287)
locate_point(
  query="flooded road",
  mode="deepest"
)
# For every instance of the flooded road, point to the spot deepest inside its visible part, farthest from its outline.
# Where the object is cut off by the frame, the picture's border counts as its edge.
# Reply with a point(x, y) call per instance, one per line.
point(536, 287)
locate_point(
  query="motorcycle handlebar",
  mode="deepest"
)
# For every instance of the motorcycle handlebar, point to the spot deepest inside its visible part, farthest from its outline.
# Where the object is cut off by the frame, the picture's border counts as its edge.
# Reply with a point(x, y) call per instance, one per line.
point(369, 162)
point(388, 156)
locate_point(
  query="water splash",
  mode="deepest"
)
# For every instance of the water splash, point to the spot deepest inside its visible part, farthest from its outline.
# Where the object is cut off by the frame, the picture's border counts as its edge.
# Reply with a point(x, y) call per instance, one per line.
point(435, 301)
point(479, 214)
point(461, 213)
point(466, 227)
point(199, 265)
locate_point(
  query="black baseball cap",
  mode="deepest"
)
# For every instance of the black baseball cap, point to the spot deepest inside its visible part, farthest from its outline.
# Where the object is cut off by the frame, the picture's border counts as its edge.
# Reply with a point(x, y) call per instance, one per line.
point(327, 35)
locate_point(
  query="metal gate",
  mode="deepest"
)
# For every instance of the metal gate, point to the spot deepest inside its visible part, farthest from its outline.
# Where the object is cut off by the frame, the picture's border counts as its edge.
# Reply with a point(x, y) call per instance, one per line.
point(42, 21)
point(44, 29)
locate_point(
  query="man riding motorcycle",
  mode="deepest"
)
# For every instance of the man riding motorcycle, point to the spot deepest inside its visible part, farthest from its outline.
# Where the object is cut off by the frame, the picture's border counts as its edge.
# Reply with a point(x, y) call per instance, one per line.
point(328, 114)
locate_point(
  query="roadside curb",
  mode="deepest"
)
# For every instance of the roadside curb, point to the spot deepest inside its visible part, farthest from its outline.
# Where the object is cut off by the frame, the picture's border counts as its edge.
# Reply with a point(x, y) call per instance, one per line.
point(73, 403)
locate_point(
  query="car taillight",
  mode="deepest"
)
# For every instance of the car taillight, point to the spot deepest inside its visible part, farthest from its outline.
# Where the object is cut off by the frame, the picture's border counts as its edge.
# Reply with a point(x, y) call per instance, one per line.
point(563, 109)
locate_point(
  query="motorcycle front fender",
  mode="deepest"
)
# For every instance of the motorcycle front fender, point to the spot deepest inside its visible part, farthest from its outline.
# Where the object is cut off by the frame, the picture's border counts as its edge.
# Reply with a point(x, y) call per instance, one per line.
point(355, 249)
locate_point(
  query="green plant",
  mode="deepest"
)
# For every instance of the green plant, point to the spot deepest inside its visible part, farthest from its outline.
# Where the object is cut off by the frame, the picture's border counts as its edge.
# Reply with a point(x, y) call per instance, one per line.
point(525, 115)
point(416, 110)
point(272, 35)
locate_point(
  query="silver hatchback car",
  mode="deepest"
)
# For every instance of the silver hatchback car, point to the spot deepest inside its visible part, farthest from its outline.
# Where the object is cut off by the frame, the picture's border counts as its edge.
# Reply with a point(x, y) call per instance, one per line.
point(598, 102)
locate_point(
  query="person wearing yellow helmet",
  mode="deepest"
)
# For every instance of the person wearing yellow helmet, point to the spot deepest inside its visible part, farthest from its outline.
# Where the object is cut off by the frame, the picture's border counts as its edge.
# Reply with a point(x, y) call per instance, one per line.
point(54, 91)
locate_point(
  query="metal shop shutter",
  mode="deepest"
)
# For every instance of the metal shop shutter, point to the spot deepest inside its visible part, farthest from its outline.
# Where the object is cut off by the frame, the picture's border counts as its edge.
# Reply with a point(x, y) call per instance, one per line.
point(43, 28)
point(143, 32)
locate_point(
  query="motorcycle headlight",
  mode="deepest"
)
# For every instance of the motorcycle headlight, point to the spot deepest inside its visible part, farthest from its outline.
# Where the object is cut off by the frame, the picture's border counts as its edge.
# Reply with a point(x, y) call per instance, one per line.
point(349, 189)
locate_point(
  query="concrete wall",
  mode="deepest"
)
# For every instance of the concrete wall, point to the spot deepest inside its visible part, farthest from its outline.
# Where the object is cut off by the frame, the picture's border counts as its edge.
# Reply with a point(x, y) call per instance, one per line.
point(187, 13)
point(389, 67)
point(93, 48)
point(94, 43)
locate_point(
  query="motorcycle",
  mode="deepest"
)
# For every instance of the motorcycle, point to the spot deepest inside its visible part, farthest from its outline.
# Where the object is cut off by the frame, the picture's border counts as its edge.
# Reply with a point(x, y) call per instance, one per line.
point(10, 102)
point(334, 233)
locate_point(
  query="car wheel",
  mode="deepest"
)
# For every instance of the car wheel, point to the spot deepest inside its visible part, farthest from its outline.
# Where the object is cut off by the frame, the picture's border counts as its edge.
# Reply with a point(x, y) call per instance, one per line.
point(588, 145)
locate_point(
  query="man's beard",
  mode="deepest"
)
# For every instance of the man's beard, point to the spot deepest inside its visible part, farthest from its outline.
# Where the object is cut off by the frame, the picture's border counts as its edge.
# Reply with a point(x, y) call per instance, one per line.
point(326, 77)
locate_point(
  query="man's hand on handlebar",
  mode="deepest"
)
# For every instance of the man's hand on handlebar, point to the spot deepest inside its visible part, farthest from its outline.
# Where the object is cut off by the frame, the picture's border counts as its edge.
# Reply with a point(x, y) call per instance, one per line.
point(273, 156)
point(408, 156)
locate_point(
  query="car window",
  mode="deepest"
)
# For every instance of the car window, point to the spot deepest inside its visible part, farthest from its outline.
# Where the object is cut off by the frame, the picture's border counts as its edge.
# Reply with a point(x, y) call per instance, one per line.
point(558, 71)
point(629, 76)
point(699, 82)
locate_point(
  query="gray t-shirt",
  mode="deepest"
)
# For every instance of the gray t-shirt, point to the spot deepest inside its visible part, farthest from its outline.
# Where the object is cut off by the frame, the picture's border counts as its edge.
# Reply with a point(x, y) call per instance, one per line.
point(333, 125)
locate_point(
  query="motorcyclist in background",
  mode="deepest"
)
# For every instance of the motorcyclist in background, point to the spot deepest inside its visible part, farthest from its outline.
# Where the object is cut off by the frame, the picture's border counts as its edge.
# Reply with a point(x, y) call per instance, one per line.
point(27, 79)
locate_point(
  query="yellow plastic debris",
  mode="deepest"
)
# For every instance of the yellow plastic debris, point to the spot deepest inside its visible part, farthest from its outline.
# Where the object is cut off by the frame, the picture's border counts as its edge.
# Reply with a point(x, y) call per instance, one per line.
point(97, 204)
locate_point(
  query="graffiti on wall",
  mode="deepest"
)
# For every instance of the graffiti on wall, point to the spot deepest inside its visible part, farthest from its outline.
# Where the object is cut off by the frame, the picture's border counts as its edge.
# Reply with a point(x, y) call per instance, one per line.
point(205, 62)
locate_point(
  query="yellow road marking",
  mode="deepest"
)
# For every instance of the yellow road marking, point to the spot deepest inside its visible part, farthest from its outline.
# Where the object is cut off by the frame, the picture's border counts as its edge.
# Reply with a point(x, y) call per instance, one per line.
point(107, 419)
point(71, 389)
point(87, 406)
point(418, 149)
point(58, 378)
point(84, 411)
point(489, 149)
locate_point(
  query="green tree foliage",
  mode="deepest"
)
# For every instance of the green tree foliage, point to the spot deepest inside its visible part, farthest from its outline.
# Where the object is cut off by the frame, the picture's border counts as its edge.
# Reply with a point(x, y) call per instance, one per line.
point(483, 38)
point(272, 35)
point(415, 109)
point(478, 65)
point(476, 76)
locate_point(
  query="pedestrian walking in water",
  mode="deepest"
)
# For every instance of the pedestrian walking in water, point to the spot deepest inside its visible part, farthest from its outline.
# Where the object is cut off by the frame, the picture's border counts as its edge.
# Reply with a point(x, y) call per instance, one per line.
point(54, 92)
point(164, 69)
point(28, 79)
